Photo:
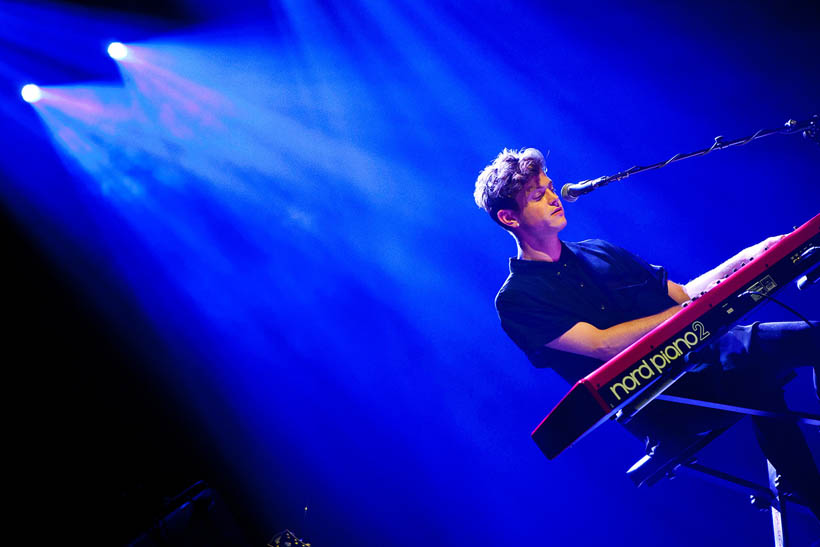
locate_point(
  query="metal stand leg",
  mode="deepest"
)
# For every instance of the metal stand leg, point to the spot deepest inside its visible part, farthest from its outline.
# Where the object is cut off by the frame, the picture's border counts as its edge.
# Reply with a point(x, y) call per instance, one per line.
point(771, 499)
point(655, 466)
point(778, 509)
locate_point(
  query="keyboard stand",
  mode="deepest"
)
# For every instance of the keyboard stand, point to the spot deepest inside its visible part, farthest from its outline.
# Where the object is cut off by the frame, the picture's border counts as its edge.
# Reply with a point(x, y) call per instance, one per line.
point(660, 464)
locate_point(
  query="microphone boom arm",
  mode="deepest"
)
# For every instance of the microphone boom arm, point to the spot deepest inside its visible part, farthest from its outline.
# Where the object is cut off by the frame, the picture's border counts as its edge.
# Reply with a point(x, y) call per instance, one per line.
point(809, 129)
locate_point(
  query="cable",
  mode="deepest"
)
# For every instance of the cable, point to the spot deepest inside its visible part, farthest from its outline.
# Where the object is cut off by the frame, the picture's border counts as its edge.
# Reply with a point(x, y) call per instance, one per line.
point(776, 301)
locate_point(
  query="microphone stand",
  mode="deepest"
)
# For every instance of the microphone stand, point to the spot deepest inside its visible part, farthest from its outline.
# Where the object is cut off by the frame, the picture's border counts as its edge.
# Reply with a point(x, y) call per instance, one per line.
point(809, 128)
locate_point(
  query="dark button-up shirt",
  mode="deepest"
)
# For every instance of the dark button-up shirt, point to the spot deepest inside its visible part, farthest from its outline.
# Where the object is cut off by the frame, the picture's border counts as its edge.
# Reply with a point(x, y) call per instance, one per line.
point(594, 282)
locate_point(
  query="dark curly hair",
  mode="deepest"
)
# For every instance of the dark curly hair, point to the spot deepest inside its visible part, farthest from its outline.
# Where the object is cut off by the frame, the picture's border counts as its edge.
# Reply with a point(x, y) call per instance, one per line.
point(499, 182)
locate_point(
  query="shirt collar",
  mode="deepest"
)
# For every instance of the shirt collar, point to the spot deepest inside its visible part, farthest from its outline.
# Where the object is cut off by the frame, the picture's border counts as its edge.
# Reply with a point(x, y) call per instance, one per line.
point(521, 266)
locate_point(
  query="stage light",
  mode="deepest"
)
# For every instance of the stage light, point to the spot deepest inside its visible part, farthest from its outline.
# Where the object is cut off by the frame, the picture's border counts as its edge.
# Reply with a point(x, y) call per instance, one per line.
point(31, 93)
point(117, 50)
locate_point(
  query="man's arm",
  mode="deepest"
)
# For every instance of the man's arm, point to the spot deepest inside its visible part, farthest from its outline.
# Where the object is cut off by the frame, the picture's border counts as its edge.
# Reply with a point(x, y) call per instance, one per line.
point(604, 344)
point(677, 292)
point(586, 339)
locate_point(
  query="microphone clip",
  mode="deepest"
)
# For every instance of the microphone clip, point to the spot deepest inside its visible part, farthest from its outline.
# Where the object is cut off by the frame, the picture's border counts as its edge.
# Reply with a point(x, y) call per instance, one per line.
point(571, 192)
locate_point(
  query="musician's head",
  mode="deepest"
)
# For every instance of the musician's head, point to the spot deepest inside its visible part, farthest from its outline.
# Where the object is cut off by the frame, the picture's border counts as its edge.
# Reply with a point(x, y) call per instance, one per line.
point(517, 193)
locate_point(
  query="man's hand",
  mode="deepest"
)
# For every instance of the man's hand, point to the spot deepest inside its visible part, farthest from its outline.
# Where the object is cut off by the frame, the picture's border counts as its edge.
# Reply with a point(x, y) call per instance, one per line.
point(756, 250)
point(708, 280)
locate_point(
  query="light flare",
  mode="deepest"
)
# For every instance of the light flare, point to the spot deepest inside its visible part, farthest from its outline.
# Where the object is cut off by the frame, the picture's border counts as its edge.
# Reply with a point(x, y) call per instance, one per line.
point(117, 51)
point(31, 93)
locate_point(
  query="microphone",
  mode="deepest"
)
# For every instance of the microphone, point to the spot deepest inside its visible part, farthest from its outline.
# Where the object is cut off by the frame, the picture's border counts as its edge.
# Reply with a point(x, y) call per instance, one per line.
point(571, 192)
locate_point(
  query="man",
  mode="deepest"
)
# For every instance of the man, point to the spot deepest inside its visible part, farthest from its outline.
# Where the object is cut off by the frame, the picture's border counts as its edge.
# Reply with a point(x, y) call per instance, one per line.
point(571, 306)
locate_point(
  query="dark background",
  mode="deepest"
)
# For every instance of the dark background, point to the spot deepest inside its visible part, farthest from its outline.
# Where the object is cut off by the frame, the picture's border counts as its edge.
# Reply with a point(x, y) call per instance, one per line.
point(101, 452)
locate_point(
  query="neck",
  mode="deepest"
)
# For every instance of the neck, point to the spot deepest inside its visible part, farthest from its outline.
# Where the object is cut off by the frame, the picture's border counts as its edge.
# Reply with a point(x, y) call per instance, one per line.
point(547, 249)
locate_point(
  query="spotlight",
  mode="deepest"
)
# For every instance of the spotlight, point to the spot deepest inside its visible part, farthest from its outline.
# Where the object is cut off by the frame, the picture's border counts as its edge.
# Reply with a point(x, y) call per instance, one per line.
point(31, 93)
point(117, 50)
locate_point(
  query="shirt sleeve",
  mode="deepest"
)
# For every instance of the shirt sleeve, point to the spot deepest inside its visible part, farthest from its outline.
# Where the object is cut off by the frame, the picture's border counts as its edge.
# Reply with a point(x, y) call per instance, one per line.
point(530, 323)
point(642, 288)
point(657, 274)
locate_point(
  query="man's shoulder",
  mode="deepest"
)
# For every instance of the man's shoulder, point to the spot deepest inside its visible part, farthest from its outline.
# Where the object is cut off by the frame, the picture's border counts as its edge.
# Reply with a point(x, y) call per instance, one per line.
point(509, 289)
point(525, 289)
point(516, 288)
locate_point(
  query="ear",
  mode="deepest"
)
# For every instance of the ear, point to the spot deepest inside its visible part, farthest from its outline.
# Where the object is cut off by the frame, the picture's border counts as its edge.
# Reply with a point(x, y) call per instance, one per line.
point(508, 218)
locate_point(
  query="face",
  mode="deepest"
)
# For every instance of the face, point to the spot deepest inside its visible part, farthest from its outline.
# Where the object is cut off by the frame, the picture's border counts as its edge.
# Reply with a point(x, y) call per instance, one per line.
point(540, 211)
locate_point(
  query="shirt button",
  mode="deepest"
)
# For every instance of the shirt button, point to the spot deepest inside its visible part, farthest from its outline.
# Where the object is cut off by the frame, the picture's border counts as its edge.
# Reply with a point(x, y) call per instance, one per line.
point(558, 273)
point(582, 283)
point(603, 307)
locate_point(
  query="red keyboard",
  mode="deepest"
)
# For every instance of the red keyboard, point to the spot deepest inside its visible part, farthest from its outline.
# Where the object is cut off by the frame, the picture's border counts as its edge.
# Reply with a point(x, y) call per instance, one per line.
point(633, 378)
